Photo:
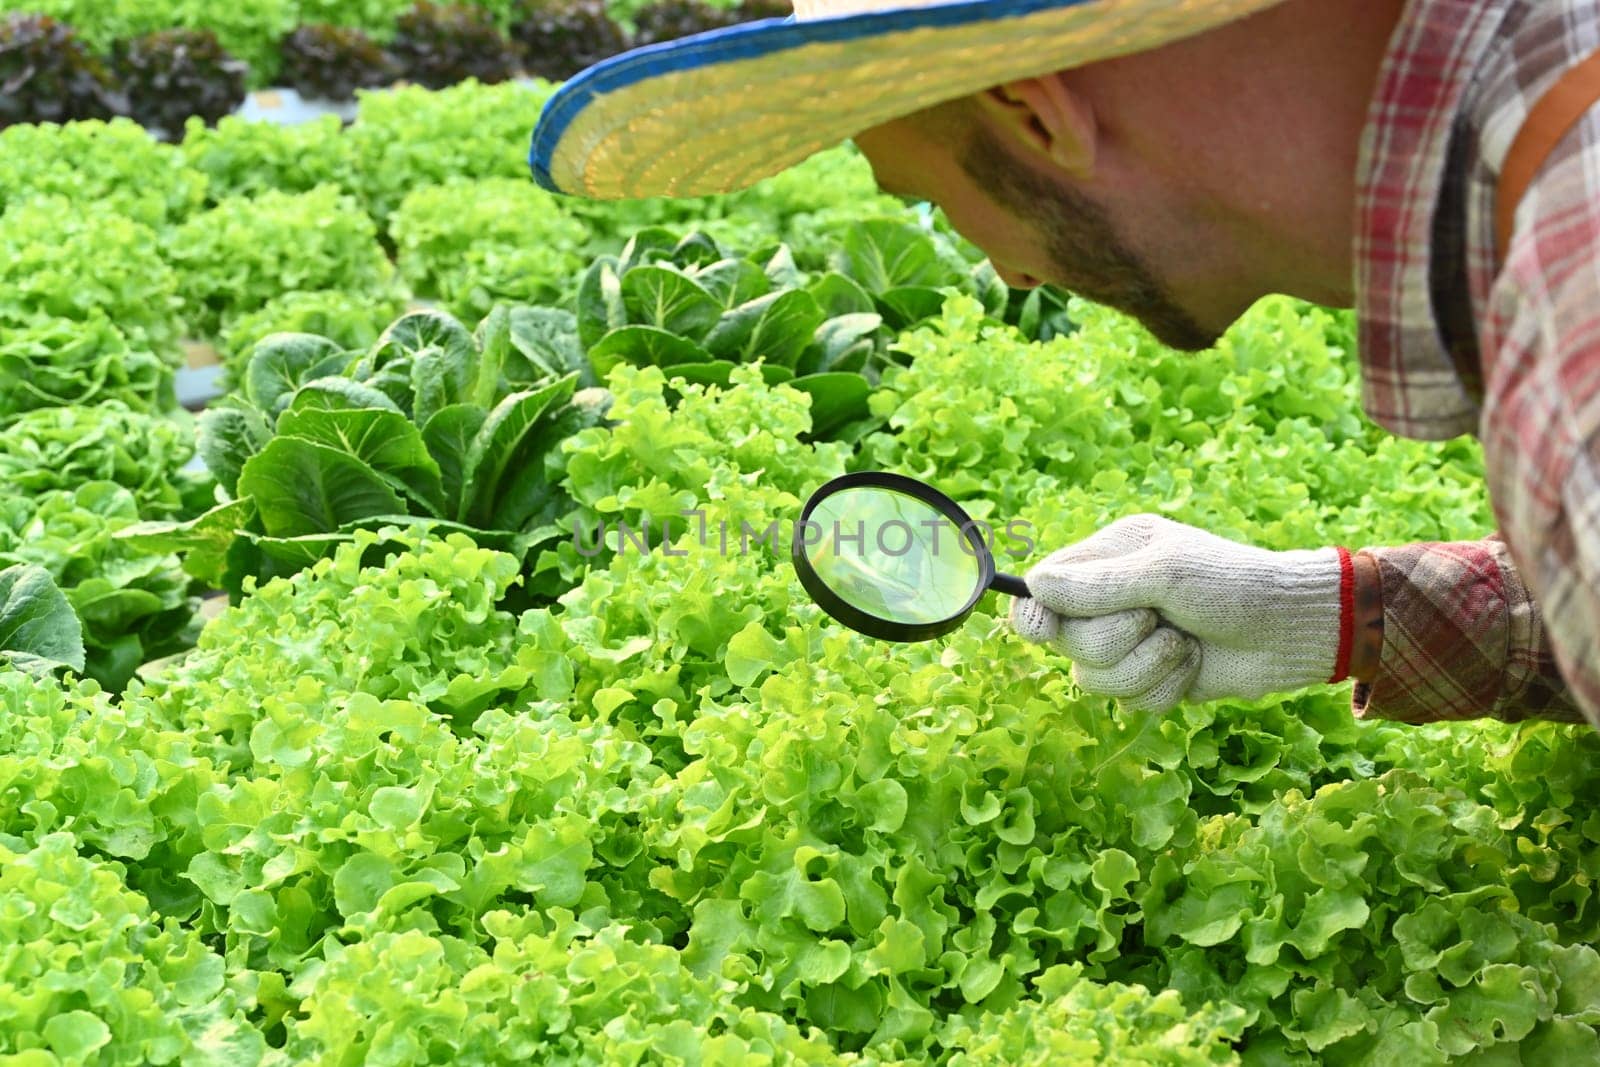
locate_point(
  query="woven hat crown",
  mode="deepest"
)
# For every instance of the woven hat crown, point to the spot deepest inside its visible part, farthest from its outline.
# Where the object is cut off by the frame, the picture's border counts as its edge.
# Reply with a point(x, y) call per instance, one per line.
point(719, 111)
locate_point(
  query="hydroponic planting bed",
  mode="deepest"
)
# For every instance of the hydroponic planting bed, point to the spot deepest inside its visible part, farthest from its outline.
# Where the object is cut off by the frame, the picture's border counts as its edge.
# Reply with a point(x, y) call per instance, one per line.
point(447, 786)
point(163, 62)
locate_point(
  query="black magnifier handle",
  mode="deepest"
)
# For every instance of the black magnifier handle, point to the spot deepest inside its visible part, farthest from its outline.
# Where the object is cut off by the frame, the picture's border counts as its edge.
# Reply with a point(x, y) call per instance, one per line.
point(1010, 585)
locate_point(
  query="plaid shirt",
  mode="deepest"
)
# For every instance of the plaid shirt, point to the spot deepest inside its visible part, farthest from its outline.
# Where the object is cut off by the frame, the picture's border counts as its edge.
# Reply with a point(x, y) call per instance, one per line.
point(1459, 337)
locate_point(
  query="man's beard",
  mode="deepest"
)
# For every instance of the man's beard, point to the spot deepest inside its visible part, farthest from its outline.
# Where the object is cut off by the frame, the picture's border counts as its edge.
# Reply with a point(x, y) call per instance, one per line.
point(1087, 255)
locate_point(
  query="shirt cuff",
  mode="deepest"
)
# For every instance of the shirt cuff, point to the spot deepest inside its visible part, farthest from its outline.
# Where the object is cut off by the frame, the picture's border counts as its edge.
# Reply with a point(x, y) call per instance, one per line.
point(1461, 639)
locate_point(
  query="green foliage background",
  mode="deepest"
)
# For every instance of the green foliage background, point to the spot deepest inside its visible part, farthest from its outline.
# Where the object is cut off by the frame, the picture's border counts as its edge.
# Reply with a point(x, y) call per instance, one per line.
point(681, 815)
point(385, 813)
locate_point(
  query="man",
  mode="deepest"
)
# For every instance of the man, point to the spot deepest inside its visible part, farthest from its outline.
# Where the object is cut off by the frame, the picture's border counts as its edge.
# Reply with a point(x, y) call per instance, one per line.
point(1434, 163)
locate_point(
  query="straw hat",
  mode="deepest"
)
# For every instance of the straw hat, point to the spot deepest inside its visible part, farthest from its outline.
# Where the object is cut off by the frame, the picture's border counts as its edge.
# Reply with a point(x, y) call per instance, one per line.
point(718, 111)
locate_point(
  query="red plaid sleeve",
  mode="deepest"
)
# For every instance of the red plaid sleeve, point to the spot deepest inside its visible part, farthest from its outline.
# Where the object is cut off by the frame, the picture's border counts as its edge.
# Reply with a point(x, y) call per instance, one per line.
point(1460, 334)
point(1461, 639)
point(1541, 416)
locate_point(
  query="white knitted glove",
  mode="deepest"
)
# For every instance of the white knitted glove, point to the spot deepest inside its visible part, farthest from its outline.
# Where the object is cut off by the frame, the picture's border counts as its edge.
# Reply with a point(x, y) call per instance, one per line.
point(1156, 613)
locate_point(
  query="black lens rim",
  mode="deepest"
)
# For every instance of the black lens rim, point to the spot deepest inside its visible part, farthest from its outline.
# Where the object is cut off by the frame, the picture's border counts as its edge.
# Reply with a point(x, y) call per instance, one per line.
point(864, 622)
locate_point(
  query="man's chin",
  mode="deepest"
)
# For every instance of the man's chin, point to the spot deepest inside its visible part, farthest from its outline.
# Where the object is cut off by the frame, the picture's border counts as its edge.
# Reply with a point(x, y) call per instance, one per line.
point(1184, 336)
point(1142, 298)
point(1173, 326)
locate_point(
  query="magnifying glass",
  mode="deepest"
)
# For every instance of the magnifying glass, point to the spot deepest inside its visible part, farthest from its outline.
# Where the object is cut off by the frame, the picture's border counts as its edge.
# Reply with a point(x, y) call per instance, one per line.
point(894, 558)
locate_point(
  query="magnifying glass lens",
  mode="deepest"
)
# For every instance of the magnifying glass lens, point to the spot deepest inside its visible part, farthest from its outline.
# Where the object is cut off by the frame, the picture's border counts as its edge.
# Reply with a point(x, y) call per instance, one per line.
point(893, 556)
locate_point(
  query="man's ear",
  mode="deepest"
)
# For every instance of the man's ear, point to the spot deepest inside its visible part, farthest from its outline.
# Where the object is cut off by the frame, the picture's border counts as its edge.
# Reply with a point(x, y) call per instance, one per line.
point(1045, 117)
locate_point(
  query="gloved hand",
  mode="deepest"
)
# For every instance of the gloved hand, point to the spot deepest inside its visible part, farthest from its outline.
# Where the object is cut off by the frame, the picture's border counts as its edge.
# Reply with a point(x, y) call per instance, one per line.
point(1156, 613)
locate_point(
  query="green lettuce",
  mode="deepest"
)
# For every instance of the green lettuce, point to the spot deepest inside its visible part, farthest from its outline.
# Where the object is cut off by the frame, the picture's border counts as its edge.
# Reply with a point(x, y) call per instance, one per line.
point(55, 362)
point(116, 164)
point(431, 424)
point(81, 260)
point(239, 157)
point(39, 632)
point(411, 137)
point(352, 320)
point(234, 258)
point(472, 245)
point(107, 980)
point(1080, 1023)
point(63, 448)
point(690, 306)
point(742, 784)
point(134, 605)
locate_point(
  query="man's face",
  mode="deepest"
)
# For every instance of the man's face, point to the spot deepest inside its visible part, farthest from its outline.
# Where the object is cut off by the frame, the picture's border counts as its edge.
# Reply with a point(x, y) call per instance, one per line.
point(1035, 229)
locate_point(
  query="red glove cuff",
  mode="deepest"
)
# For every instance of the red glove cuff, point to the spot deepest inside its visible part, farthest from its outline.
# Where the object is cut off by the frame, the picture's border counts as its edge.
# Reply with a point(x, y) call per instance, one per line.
point(1347, 616)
